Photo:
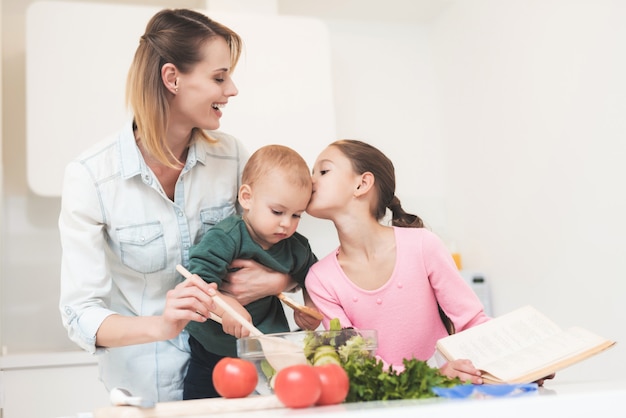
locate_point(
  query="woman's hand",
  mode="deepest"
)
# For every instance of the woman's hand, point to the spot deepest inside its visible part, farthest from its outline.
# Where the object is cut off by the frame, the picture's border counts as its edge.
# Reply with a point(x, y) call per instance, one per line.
point(188, 301)
point(463, 369)
point(249, 281)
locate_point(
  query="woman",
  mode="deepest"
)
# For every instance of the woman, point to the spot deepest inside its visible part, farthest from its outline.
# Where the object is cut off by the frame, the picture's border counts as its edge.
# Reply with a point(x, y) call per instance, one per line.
point(133, 205)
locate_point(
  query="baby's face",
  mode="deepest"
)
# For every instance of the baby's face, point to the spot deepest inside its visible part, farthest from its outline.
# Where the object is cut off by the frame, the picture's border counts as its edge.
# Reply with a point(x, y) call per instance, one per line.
point(275, 207)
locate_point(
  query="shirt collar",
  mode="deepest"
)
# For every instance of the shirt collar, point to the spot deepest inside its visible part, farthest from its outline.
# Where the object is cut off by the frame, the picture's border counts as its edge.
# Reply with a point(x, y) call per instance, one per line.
point(194, 155)
point(133, 163)
point(197, 152)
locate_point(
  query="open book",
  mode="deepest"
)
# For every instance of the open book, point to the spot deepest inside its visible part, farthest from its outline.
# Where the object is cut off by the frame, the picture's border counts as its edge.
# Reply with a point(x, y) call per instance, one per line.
point(521, 346)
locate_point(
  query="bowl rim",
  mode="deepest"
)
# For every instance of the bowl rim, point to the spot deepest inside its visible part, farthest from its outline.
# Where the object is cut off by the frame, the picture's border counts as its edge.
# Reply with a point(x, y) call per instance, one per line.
point(305, 332)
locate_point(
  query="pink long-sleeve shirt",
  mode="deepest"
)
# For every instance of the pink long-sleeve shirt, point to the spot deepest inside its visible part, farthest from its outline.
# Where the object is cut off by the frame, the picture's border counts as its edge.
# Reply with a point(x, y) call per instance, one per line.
point(403, 310)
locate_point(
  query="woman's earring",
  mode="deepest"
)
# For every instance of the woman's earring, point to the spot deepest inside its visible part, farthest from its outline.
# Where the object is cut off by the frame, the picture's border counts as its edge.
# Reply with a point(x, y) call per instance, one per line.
point(176, 85)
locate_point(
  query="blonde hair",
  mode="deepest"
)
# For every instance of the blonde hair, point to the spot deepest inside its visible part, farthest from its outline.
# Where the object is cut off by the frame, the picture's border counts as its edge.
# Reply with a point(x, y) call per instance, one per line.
point(277, 157)
point(172, 36)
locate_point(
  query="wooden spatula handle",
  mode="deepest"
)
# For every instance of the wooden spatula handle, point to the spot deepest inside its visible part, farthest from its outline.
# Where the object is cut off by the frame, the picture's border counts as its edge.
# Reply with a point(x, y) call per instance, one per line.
point(254, 331)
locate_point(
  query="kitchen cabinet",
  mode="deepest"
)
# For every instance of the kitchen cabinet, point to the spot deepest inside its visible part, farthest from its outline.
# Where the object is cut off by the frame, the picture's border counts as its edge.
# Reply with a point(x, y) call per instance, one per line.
point(50, 385)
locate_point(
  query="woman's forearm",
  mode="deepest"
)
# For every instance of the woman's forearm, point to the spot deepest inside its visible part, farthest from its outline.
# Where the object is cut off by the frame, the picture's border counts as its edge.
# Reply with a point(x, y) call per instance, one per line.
point(117, 331)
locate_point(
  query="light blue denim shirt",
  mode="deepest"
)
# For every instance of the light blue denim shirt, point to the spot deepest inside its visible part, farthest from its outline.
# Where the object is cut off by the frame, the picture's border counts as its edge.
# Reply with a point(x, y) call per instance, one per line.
point(122, 238)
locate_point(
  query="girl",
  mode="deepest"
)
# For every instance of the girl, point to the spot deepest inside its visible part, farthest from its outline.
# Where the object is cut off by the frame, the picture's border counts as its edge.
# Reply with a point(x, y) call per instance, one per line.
point(389, 278)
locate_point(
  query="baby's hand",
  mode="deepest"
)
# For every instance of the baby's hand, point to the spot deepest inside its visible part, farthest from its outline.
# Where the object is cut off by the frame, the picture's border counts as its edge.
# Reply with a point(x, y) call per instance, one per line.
point(233, 327)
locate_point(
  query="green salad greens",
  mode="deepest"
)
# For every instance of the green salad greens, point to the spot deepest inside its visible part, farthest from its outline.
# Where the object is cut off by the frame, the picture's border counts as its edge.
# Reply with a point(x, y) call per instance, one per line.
point(370, 380)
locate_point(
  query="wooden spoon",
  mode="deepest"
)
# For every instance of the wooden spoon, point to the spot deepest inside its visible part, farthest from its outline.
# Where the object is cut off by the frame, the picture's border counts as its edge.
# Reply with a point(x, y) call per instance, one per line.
point(302, 308)
point(279, 352)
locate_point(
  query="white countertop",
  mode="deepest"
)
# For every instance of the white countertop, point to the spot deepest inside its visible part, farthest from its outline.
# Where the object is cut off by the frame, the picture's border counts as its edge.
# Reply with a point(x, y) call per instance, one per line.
point(572, 400)
point(566, 399)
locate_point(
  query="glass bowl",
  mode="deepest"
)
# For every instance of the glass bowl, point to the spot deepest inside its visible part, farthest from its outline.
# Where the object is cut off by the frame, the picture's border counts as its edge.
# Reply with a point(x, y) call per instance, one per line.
point(272, 352)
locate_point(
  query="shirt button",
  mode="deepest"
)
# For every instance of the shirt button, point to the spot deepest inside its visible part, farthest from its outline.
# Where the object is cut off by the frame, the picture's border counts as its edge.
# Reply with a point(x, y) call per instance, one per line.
point(379, 301)
point(146, 177)
point(355, 299)
point(400, 285)
point(142, 239)
point(180, 214)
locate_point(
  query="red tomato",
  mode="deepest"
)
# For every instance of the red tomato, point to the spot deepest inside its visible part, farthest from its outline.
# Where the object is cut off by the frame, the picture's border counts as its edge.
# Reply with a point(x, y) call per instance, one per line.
point(335, 384)
point(234, 377)
point(298, 386)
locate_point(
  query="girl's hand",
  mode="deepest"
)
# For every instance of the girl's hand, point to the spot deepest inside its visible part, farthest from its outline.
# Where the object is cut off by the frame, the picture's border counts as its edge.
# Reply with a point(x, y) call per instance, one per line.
point(188, 301)
point(249, 281)
point(305, 321)
point(464, 370)
point(541, 381)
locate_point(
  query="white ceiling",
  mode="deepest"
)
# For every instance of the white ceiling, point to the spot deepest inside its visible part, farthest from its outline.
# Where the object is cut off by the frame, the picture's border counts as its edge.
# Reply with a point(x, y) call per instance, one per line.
point(397, 11)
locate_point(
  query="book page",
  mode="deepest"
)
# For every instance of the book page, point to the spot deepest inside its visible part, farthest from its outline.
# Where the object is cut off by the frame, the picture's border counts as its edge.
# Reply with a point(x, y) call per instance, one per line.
point(539, 356)
point(518, 344)
point(499, 337)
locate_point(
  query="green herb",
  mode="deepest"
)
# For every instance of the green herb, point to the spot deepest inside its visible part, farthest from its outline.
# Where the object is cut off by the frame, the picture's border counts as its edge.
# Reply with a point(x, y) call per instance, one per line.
point(370, 381)
point(335, 325)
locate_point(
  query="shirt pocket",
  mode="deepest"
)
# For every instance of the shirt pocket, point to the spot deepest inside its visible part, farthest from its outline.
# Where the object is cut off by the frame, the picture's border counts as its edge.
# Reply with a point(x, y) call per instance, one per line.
point(142, 247)
point(211, 216)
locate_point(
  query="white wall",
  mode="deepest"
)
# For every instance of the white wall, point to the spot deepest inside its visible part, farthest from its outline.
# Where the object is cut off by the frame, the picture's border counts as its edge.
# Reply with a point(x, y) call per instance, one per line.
point(504, 119)
point(1, 184)
point(533, 105)
point(278, 94)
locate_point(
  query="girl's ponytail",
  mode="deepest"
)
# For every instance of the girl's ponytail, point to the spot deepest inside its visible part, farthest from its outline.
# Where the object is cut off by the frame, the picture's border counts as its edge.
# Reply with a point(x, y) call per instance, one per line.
point(367, 158)
point(402, 219)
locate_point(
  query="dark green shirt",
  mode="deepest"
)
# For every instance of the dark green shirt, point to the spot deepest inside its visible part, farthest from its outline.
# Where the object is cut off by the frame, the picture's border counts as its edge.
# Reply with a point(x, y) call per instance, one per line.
point(229, 240)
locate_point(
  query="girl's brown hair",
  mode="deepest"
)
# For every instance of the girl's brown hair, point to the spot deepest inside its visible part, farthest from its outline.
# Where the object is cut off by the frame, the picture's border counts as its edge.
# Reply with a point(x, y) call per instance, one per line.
point(172, 36)
point(367, 158)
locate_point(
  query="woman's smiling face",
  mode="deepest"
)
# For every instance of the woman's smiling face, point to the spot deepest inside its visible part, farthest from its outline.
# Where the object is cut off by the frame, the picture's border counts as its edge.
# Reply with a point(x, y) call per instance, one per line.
point(206, 89)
